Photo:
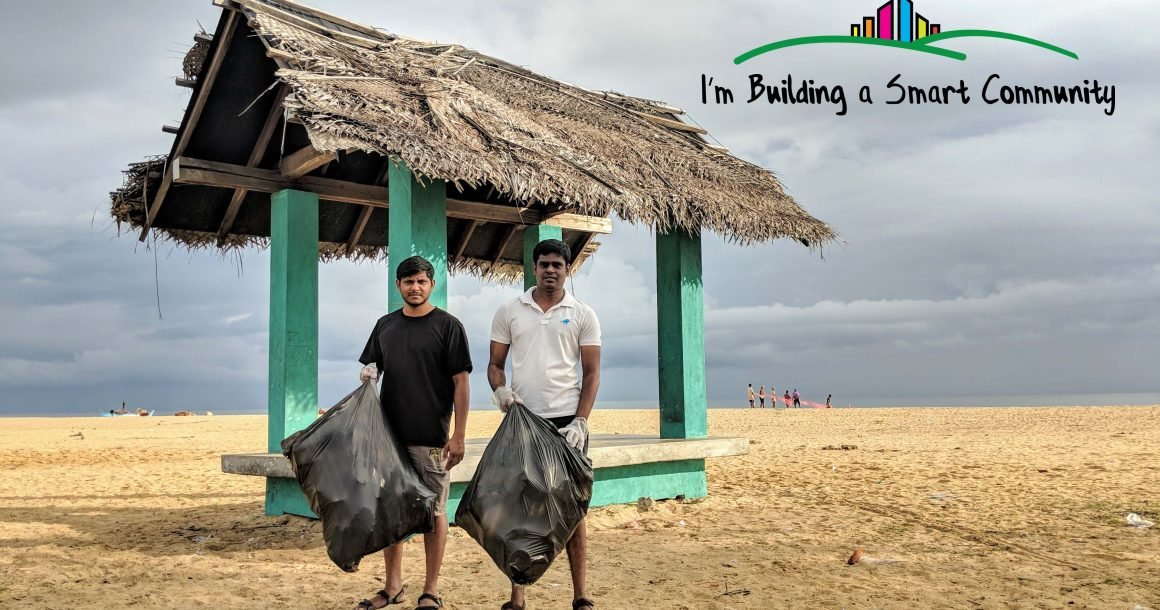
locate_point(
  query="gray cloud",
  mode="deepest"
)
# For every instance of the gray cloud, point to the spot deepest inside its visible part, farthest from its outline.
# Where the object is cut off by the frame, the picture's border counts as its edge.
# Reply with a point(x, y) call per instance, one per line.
point(991, 250)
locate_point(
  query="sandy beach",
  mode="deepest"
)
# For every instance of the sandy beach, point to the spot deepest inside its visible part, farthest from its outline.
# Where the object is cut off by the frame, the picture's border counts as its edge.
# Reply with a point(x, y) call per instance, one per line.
point(953, 508)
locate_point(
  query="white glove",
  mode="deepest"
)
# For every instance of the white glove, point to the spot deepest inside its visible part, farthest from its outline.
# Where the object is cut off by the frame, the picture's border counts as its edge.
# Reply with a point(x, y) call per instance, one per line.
point(368, 372)
point(576, 433)
point(504, 398)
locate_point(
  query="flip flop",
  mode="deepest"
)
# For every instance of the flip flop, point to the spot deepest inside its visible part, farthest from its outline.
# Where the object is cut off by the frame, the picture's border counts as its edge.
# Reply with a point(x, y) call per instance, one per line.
point(367, 604)
point(434, 598)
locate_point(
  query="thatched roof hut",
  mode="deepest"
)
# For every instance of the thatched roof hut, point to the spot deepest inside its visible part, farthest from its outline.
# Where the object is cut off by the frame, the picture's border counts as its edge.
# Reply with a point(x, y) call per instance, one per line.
point(288, 96)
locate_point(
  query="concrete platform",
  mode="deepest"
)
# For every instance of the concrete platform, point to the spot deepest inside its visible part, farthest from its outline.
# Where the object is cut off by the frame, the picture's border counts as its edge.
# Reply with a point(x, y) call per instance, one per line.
point(627, 467)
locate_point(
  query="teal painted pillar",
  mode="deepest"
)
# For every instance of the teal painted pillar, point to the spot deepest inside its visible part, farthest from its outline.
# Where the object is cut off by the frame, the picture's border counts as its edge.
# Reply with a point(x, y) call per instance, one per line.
point(418, 226)
point(293, 370)
point(534, 234)
point(681, 336)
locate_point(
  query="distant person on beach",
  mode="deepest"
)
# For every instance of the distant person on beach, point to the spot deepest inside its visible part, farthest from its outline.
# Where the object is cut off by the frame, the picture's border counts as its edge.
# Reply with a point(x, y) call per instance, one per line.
point(828, 397)
point(797, 398)
point(786, 398)
point(751, 395)
point(422, 355)
point(548, 333)
point(772, 397)
point(761, 396)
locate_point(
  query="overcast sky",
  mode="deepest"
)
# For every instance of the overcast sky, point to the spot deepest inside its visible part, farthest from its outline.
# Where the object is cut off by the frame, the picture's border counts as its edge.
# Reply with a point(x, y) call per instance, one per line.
point(990, 250)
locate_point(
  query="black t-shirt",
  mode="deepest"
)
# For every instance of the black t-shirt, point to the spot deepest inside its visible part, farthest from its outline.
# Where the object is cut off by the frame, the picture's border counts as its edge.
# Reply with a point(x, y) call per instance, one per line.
point(418, 356)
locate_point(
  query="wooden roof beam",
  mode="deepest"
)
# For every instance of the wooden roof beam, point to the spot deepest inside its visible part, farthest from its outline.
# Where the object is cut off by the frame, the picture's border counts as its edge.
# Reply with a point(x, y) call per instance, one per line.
point(474, 210)
point(224, 175)
point(576, 255)
point(671, 124)
point(579, 222)
point(367, 39)
point(213, 66)
point(360, 226)
point(503, 244)
point(185, 170)
point(465, 237)
point(305, 160)
point(184, 82)
point(260, 144)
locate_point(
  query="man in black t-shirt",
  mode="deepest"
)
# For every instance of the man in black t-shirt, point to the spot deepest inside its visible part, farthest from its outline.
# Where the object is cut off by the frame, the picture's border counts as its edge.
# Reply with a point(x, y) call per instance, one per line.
point(421, 352)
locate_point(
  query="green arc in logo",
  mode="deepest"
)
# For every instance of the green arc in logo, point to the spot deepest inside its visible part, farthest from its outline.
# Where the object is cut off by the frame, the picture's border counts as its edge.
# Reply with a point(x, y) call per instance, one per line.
point(921, 45)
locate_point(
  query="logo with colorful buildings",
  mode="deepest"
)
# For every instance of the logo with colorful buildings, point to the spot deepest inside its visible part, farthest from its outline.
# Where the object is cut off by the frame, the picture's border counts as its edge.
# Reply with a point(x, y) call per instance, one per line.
point(897, 24)
point(895, 21)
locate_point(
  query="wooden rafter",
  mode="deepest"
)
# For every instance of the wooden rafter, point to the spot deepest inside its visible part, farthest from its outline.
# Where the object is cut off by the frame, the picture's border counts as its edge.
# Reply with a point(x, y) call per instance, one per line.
point(579, 222)
point(671, 124)
point(368, 40)
point(473, 210)
point(465, 237)
point(304, 160)
point(225, 175)
point(280, 56)
point(364, 215)
point(259, 151)
point(503, 243)
point(207, 78)
point(576, 255)
point(360, 226)
point(185, 170)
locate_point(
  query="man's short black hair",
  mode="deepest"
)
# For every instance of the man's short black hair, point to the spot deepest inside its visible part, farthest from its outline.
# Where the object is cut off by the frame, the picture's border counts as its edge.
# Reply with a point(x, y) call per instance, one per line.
point(552, 246)
point(413, 265)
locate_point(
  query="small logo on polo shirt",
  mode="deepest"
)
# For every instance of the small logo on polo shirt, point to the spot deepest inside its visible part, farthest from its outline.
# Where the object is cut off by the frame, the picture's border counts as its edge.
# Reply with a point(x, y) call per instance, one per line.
point(565, 321)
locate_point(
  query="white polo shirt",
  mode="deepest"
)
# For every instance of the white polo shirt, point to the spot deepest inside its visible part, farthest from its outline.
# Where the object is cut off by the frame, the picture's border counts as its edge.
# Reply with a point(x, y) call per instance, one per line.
point(545, 350)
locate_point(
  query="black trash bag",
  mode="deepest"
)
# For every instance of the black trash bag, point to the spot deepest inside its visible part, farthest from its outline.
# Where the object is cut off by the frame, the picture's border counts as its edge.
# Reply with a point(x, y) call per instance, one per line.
point(530, 491)
point(358, 480)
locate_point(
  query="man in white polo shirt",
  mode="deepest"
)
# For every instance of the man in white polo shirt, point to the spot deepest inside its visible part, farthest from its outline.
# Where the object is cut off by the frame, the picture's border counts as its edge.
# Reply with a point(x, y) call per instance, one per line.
point(548, 333)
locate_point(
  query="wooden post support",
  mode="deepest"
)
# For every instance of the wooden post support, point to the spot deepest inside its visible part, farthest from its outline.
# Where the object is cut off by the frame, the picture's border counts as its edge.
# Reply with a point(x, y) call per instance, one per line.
point(681, 336)
point(417, 226)
point(534, 234)
point(293, 374)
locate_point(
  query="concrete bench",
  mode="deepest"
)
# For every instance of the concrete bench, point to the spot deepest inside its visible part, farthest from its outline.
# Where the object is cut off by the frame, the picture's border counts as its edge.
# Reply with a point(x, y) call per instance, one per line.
point(627, 467)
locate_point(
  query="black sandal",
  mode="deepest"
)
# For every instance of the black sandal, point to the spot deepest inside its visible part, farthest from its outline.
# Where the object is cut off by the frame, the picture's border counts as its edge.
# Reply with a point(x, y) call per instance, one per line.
point(367, 604)
point(434, 598)
point(510, 606)
point(577, 604)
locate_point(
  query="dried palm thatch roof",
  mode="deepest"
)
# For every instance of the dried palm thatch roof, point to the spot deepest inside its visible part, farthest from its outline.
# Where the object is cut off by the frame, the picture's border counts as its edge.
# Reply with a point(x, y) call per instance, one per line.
point(487, 126)
point(456, 114)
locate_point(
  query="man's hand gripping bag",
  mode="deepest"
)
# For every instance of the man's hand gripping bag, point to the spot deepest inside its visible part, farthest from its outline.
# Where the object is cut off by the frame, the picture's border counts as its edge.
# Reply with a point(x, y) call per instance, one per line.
point(530, 491)
point(358, 480)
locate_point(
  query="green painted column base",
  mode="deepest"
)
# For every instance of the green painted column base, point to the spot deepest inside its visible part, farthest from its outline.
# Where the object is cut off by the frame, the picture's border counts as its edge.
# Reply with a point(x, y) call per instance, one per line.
point(627, 484)
point(284, 497)
point(616, 485)
point(657, 480)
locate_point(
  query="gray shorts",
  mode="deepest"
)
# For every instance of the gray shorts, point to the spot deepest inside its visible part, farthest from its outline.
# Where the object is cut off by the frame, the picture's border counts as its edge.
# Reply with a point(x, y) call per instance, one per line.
point(428, 462)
